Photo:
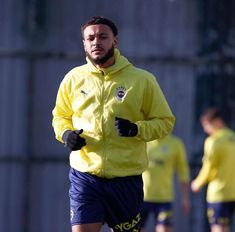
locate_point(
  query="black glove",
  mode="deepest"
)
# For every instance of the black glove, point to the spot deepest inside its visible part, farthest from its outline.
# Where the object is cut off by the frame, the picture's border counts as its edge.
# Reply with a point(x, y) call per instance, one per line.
point(125, 127)
point(73, 140)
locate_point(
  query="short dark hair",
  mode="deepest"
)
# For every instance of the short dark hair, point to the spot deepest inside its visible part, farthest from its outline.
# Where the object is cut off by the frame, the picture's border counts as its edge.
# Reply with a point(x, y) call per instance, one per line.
point(100, 20)
point(211, 113)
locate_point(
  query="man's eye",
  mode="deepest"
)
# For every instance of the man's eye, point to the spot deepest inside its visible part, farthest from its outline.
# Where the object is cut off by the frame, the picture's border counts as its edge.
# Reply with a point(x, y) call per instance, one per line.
point(103, 37)
point(90, 39)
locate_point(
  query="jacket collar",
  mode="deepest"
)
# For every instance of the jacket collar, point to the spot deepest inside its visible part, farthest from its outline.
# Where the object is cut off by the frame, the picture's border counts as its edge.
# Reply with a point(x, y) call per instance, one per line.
point(120, 63)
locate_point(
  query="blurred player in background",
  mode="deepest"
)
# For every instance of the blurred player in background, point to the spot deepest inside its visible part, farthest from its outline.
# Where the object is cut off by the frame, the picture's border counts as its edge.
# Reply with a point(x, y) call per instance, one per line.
point(166, 157)
point(218, 170)
point(105, 112)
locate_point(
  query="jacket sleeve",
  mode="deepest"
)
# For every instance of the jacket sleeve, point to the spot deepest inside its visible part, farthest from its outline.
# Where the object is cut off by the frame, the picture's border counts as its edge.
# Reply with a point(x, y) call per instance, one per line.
point(208, 170)
point(62, 113)
point(159, 120)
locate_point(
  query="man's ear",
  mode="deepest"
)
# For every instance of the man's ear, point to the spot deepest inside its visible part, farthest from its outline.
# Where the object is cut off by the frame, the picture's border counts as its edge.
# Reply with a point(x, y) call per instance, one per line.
point(115, 43)
point(83, 41)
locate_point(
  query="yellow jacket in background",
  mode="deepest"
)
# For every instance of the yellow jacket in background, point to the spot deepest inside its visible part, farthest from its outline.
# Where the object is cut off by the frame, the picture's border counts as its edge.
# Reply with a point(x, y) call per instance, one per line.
point(166, 157)
point(90, 98)
point(218, 169)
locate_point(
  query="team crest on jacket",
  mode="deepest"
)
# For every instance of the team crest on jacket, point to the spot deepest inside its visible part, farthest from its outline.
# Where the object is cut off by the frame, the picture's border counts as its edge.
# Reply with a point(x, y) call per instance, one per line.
point(120, 93)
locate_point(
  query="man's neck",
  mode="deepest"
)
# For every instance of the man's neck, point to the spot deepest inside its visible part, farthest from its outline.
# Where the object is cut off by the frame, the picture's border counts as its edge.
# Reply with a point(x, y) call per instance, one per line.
point(107, 64)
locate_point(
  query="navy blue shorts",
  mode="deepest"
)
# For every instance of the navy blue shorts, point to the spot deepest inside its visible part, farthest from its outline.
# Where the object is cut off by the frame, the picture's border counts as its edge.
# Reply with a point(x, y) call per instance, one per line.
point(115, 201)
point(220, 213)
point(163, 213)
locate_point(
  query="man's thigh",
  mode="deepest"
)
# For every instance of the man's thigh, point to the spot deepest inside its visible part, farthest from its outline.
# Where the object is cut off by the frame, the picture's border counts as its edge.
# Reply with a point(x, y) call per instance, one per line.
point(124, 198)
point(93, 227)
point(220, 213)
point(96, 200)
point(85, 203)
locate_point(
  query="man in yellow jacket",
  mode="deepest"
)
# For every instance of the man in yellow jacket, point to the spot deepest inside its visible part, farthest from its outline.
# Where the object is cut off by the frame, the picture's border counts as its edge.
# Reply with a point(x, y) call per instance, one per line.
point(105, 112)
point(167, 157)
point(218, 171)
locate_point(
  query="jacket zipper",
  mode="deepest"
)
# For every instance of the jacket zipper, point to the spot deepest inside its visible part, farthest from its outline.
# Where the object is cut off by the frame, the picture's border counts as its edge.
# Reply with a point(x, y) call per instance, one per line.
point(102, 125)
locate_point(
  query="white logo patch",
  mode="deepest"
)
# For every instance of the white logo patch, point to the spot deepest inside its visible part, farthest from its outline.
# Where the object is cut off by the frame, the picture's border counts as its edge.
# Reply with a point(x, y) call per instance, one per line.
point(71, 214)
point(120, 93)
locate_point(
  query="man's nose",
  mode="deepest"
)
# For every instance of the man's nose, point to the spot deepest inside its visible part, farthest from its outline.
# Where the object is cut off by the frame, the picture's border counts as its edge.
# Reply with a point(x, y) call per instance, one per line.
point(96, 41)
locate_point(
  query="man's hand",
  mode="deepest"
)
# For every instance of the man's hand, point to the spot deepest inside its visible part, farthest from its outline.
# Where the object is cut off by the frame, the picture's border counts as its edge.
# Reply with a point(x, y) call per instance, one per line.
point(73, 140)
point(194, 187)
point(125, 127)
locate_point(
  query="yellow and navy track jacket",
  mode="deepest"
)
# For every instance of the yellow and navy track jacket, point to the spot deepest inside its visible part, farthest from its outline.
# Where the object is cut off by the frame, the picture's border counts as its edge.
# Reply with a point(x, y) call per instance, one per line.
point(89, 98)
point(166, 157)
point(218, 169)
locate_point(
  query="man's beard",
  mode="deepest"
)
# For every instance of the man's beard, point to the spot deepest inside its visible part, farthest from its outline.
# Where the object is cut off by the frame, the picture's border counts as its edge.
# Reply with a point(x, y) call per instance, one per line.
point(104, 59)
